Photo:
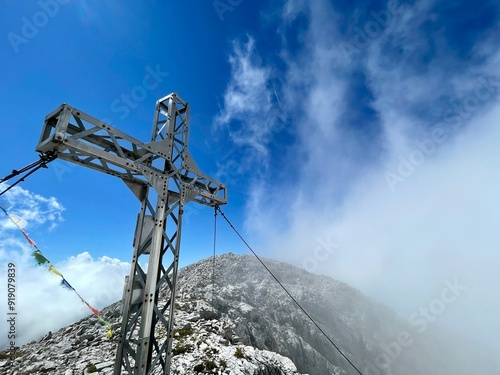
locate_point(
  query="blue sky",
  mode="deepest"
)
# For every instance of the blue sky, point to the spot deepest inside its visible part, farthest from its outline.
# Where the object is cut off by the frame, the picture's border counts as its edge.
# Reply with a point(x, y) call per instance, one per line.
point(357, 139)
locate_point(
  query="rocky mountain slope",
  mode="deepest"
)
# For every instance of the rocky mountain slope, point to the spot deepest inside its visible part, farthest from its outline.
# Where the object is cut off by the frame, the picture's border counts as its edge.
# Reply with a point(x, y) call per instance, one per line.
point(371, 335)
point(239, 325)
point(204, 343)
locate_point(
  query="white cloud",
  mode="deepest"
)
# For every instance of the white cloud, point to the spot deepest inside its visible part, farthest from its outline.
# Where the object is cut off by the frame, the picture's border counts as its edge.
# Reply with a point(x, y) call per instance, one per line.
point(397, 245)
point(33, 208)
point(42, 304)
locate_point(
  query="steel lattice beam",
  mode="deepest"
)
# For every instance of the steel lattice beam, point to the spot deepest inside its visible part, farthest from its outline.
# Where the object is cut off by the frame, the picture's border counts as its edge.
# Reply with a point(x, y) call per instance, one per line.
point(165, 165)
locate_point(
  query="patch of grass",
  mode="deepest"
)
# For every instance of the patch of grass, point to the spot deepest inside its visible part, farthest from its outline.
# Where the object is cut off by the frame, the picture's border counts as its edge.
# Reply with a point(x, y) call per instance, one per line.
point(199, 368)
point(181, 349)
point(210, 352)
point(239, 353)
point(91, 368)
point(8, 355)
point(181, 333)
point(210, 365)
point(223, 363)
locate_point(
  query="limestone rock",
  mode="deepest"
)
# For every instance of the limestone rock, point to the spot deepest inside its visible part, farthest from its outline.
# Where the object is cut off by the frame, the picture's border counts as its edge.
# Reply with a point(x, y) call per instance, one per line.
point(245, 324)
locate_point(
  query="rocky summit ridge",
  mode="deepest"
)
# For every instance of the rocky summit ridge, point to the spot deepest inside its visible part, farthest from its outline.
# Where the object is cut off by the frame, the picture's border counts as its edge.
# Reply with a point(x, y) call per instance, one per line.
point(244, 323)
point(205, 342)
point(202, 345)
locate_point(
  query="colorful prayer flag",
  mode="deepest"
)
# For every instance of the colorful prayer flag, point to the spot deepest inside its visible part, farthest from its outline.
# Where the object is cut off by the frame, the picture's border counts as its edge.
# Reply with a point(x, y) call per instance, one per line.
point(31, 242)
point(53, 270)
point(65, 284)
point(94, 310)
point(18, 222)
point(40, 259)
point(105, 323)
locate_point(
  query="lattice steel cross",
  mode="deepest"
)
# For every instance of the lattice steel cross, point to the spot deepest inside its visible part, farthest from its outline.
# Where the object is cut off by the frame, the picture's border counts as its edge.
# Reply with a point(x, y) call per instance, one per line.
point(165, 165)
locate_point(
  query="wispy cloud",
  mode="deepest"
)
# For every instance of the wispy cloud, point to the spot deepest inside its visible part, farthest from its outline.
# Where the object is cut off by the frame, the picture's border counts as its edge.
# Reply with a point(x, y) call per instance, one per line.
point(248, 100)
point(354, 120)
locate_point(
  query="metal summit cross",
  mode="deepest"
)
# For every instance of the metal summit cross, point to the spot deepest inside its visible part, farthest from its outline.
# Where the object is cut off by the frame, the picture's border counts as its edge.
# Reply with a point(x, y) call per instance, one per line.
point(165, 165)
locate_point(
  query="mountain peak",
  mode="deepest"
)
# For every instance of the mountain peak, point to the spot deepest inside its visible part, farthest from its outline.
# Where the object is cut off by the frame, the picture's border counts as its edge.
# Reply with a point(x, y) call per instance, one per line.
point(240, 321)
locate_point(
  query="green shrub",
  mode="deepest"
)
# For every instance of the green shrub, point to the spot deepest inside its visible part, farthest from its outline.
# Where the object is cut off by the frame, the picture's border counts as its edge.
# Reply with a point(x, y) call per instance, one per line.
point(181, 349)
point(210, 365)
point(199, 368)
point(211, 351)
point(239, 353)
point(91, 368)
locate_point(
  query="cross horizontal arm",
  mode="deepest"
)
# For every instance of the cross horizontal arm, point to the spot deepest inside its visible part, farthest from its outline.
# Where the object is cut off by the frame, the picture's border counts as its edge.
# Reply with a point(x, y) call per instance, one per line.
point(82, 139)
